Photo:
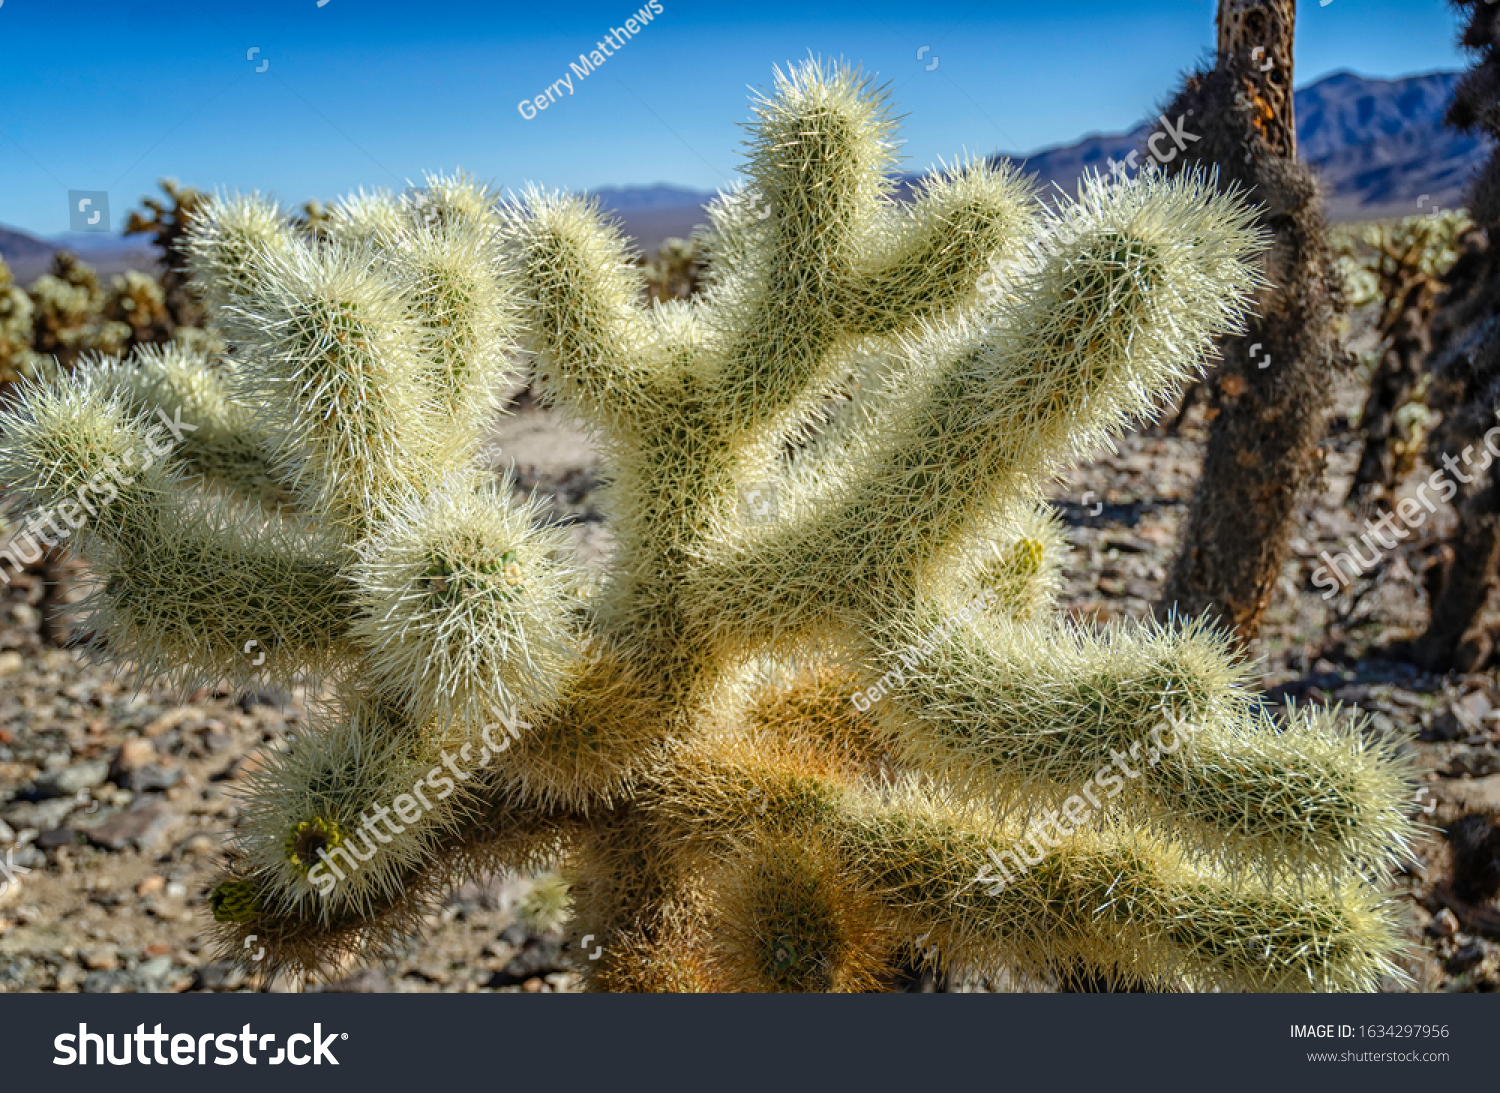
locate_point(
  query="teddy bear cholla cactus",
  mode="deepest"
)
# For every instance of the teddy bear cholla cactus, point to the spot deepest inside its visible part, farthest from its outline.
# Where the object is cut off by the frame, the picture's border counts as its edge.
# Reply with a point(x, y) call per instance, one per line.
point(730, 817)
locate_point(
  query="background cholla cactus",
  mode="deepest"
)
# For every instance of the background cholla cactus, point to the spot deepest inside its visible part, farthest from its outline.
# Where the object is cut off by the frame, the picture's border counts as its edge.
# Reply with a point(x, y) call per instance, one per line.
point(68, 317)
point(16, 357)
point(1402, 264)
point(772, 753)
point(167, 223)
point(676, 272)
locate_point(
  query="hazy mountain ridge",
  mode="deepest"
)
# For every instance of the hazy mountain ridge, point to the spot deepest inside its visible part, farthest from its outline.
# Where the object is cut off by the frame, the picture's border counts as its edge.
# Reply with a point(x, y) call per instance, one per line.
point(1379, 146)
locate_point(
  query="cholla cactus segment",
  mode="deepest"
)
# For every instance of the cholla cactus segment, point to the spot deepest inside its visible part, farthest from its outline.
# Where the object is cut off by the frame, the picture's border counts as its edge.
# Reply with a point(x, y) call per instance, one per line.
point(336, 349)
point(1020, 563)
point(1149, 721)
point(454, 202)
point(75, 454)
point(341, 817)
point(547, 904)
point(466, 609)
point(231, 236)
point(583, 319)
point(819, 687)
point(226, 444)
point(1123, 903)
point(788, 918)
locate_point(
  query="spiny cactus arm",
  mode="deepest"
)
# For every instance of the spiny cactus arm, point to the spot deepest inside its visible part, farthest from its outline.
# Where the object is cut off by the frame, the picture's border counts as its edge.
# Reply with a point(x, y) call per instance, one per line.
point(1144, 722)
point(581, 308)
point(826, 257)
point(467, 304)
point(929, 257)
point(230, 237)
point(196, 588)
point(221, 440)
point(1127, 905)
point(331, 354)
point(321, 937)
point(440, 244)
point(465, 609)
point(1019, 560)
point(1116, 320)
point(1144, 278)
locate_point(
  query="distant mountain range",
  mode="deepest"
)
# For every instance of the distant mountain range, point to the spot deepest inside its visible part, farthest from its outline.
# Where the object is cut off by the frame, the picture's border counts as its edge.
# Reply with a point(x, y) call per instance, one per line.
point(1380, 148)
point(29, 256)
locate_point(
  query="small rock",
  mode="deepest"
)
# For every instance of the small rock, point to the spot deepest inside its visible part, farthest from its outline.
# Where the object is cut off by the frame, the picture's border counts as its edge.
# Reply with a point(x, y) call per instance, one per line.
point(154, 883)
point(69, 780)
point(143, 826)
point(216, 976)
point(11, 662)
point(108, 982)
point(97, 958)
point(1445, 726)
point(151, 778)
point(215, 741)
point(1474, 707)
point(176, 889)
point(515, 935)
point(251, 699)
point(133, 754)
point(365, 981)
point(173, 719)
point(1471, 795)
point(537, 959)
point(1443, 924)
point(154, 969)
point(1469, 955)
point(198, 844)
point(10, 891)
point(56, 838)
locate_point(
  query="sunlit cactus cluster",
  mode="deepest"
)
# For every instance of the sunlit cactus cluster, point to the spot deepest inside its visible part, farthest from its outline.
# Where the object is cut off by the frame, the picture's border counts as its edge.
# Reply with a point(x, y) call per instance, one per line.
point(771, 746)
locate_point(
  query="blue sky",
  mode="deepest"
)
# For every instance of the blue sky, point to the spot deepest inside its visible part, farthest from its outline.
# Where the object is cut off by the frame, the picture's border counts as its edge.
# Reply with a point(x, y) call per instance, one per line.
point(111, 96)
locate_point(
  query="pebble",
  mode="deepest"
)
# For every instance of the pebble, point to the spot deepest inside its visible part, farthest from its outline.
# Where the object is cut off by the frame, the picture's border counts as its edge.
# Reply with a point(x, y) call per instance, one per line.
point(142, 826)
point(218, 975)
point(99, 959)
point(1443, 924)
point(1468, 956)
point(11, 662)
point(56, 838)
point(133, 754)
point(155, 968)
point(110, 982)
point(368, 981)
point(69, 780)
point(173, 719)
